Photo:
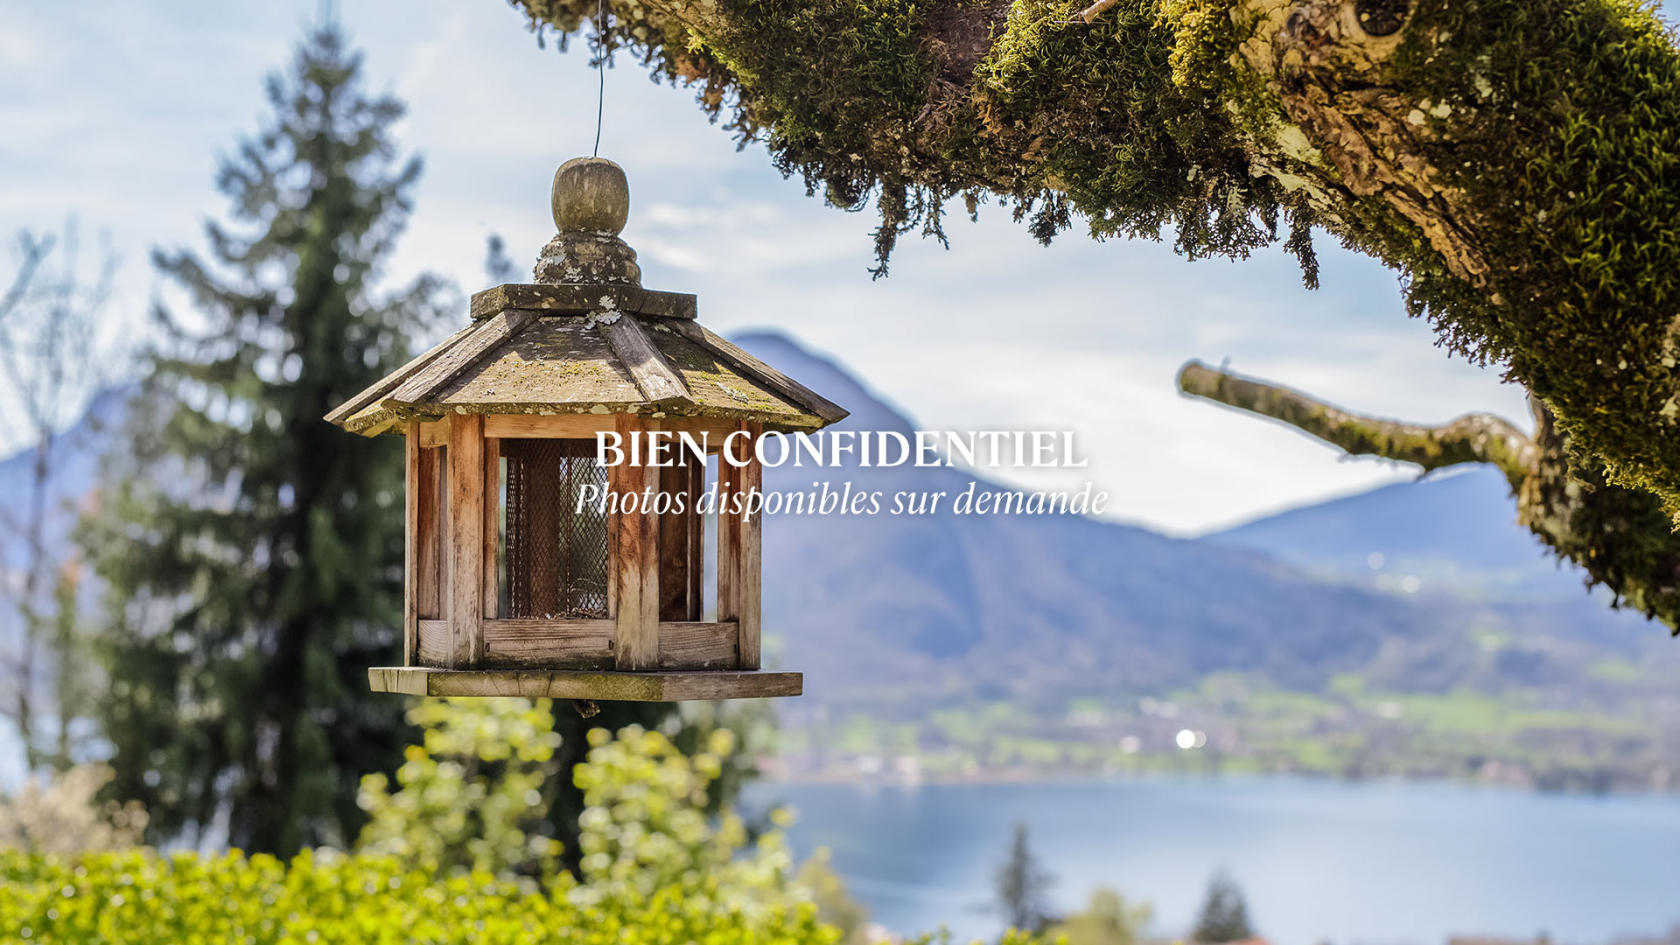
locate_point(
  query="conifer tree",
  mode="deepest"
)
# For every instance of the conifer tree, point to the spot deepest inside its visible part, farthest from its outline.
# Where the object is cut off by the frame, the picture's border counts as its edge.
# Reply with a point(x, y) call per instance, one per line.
point(1022, 885)
point(1224, 914)
point(252, 550)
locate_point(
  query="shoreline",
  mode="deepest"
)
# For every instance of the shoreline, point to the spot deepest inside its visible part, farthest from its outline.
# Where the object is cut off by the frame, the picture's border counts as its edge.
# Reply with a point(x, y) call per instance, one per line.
point(1033, 777)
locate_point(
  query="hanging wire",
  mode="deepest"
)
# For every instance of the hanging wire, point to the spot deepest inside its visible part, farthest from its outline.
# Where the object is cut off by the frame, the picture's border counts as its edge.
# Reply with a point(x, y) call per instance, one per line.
point(600, 70)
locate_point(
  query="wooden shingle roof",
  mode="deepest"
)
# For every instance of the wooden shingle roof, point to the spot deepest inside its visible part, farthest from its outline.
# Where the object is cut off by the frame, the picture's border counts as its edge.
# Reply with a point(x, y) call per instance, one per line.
point(547, 349)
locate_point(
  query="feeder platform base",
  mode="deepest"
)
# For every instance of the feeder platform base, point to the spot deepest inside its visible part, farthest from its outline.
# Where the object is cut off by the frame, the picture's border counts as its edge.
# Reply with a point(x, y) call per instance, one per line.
point(599, 686)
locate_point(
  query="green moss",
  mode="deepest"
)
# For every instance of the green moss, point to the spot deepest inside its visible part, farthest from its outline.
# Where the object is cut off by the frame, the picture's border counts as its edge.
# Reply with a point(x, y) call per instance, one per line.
point(1552, 128)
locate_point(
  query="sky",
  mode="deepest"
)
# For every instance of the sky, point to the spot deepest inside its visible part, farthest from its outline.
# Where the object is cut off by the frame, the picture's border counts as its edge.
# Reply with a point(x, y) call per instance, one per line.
point(117, 112)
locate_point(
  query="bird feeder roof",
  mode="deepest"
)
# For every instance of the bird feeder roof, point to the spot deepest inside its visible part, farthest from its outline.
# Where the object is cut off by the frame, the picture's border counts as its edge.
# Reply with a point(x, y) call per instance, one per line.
point(586, 338)
point(583, 348)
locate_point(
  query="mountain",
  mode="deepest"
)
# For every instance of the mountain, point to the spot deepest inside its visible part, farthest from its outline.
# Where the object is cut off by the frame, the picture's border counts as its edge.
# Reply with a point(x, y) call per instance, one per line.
point(1454, 531)
point(1048, 608)
point(1063, 642)
point(970, 643)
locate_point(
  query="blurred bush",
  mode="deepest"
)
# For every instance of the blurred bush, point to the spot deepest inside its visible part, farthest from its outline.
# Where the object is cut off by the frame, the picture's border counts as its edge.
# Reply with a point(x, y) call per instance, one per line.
point(1107, 920)
point(447, 857)
point(141, 896)
point(62, 813)
point(469, 797)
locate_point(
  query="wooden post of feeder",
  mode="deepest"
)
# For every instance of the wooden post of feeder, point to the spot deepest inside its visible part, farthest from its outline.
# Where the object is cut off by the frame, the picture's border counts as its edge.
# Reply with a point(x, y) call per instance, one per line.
point(740, 540)
point(466, 540)
point(636, 557)
point(492, 492)
point(411, 545)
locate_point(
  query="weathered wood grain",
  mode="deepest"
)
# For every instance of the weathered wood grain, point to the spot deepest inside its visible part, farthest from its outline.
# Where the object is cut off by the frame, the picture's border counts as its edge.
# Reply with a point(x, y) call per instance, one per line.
point(549, 644)
point(564, 299)
point(588, 644)
point(657, 381)
point(749, 594)
point(698, 646)
point(391, 381)
point(757, 370)
point(411, 546)
point(430, 509)
point(432, 644)
point(492, 525)
point(485, 338)
point(434, 434)
point(740, 541)
point(466, 540)
point(602, 686)
point(635, 562)
point(728, 539)
point(565, 426)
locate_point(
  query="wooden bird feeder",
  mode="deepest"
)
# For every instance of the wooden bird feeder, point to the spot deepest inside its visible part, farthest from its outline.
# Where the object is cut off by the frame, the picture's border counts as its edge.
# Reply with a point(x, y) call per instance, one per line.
point(513, 586)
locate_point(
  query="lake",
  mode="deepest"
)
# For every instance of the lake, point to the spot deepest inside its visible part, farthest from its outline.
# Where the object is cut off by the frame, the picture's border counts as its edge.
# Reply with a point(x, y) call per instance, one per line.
point(1348, 863)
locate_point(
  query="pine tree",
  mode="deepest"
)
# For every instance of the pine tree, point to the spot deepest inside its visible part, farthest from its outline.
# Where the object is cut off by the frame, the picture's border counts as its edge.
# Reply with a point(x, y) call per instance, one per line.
point(1022, 884)
point(252, 550)
point(1224, 915)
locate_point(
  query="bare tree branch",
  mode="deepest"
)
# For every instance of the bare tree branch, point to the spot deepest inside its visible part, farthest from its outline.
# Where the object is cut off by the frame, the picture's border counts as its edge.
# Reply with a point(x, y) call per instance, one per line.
point(1472, 438)
point(53, 357)
point(1622, 538)
point(32, 251)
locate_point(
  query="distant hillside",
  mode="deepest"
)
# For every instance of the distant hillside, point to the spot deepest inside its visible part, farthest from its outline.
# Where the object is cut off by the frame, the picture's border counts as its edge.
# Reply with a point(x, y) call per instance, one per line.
point(1052, 640)
point(948, 607)
point(1454, 531)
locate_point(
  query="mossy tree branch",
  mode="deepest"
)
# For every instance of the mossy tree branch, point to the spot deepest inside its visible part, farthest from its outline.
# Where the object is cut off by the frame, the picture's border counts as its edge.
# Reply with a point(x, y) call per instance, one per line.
point(1515, 161)
point(1620, 537)
point(1473, 438)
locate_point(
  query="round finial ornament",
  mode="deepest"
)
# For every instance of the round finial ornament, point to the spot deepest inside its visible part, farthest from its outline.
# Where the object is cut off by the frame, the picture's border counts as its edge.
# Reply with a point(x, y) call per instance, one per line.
point(590, 195)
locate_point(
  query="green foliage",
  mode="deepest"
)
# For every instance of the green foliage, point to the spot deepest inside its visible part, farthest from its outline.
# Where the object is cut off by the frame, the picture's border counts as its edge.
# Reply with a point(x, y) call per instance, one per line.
point(656, 868)
point(141, 896)
point(1513, 161)
point(1571, 154)
point(562, 794)
point(253, 552)
point(646, 823)
point(1224, 913)
point(470, 796)
point(872, 101)
point(1623, 538)
point(1107, 920)
point(1022, 885)
point(470, 799)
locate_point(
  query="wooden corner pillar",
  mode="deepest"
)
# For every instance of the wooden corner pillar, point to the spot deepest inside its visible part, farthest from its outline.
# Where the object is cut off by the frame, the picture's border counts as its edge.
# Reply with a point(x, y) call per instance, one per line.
point(635, 562)
point(466, 540)
point(412, 499)
point(740, 539)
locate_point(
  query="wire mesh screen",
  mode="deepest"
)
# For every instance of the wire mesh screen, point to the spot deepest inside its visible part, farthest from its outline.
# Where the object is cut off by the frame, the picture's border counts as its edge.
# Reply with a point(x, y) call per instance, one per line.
point(554, 557)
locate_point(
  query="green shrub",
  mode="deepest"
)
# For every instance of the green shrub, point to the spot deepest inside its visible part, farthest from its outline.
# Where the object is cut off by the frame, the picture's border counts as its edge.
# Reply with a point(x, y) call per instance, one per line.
point(469, 797)
point(141, 896)
point(447, 858)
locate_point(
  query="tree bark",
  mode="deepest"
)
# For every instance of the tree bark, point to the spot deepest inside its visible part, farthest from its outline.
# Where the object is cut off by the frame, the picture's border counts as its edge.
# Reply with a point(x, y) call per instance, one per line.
point(1472, 438)
point(1514, 160)
point(1620, 537)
